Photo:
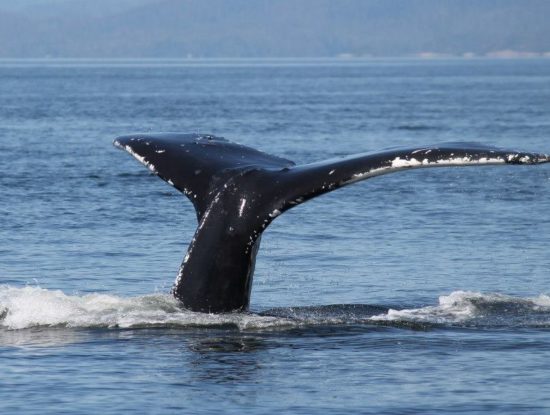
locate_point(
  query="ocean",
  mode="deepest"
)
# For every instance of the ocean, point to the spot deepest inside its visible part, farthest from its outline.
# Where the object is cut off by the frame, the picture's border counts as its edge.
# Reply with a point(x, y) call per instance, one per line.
point(420, 292)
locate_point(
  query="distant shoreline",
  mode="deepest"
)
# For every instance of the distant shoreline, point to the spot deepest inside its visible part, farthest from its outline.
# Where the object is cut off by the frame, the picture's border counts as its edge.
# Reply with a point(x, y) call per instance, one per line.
point(290, 61)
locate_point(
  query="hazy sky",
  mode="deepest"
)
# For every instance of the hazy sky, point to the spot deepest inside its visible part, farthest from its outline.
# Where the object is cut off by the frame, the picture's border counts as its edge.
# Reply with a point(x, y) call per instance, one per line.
point(273, 28)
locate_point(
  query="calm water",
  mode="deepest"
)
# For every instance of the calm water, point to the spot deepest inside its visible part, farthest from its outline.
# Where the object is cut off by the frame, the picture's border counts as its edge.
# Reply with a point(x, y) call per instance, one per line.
point(419, 292)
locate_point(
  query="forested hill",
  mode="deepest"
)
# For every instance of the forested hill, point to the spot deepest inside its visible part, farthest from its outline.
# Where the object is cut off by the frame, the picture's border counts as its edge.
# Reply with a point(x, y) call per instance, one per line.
point(271, 28)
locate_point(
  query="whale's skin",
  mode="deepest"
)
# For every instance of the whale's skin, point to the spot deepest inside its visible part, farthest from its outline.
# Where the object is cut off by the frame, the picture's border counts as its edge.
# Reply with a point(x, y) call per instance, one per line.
point(238, 191)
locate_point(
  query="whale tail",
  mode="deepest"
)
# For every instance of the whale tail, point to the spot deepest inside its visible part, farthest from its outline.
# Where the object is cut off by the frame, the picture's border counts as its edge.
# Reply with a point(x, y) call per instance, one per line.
point(237, 191)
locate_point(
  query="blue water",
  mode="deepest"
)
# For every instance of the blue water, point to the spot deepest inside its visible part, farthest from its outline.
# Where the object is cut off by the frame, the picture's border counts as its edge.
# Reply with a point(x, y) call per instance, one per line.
point(418, 292)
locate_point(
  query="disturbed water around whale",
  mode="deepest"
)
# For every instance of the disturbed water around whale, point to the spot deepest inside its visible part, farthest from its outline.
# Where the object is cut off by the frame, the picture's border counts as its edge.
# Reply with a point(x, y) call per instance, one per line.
point(421, 292)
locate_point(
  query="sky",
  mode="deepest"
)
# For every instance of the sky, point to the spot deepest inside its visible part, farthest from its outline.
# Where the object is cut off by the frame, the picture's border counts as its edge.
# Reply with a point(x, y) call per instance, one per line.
point(273, 28)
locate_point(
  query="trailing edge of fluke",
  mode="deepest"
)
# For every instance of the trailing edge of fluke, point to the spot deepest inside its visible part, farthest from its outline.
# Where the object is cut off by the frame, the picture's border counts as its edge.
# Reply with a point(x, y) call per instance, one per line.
point(237, 191)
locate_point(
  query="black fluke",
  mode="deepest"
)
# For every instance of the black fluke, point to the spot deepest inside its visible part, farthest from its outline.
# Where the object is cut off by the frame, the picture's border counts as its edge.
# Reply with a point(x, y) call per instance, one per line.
point(238, 191)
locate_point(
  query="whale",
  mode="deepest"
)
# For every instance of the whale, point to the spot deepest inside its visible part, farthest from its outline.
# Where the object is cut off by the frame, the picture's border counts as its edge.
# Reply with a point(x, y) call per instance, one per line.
point(237, 191)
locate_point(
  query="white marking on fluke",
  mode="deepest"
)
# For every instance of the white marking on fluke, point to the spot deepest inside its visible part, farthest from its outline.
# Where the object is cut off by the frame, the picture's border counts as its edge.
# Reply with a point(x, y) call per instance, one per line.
point(457, 161)
point(139, 158)
point(401, 163)
point(241, 207)
point(398, 162)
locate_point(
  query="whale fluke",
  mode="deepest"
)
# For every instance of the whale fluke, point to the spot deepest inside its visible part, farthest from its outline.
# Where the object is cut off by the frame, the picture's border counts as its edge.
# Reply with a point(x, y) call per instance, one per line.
point(195, 164)
point(238, 191)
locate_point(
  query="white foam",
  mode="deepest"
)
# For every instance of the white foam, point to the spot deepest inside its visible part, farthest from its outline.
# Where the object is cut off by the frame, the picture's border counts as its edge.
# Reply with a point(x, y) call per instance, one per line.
point(28, 307)
point(466, 306)
point(23, 308)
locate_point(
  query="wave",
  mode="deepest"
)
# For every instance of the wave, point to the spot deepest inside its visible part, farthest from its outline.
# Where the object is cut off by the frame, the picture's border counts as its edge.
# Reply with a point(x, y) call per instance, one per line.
point(416, 127)
point(31, 307)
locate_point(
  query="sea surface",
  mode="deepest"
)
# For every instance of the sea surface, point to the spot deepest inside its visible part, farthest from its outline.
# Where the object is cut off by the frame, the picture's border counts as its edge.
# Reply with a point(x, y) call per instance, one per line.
point(420, 292)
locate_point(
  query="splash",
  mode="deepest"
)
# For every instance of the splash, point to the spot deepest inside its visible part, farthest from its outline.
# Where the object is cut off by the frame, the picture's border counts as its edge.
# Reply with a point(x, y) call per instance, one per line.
point(31, 307)
point(467, 308)
point(28, 307)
